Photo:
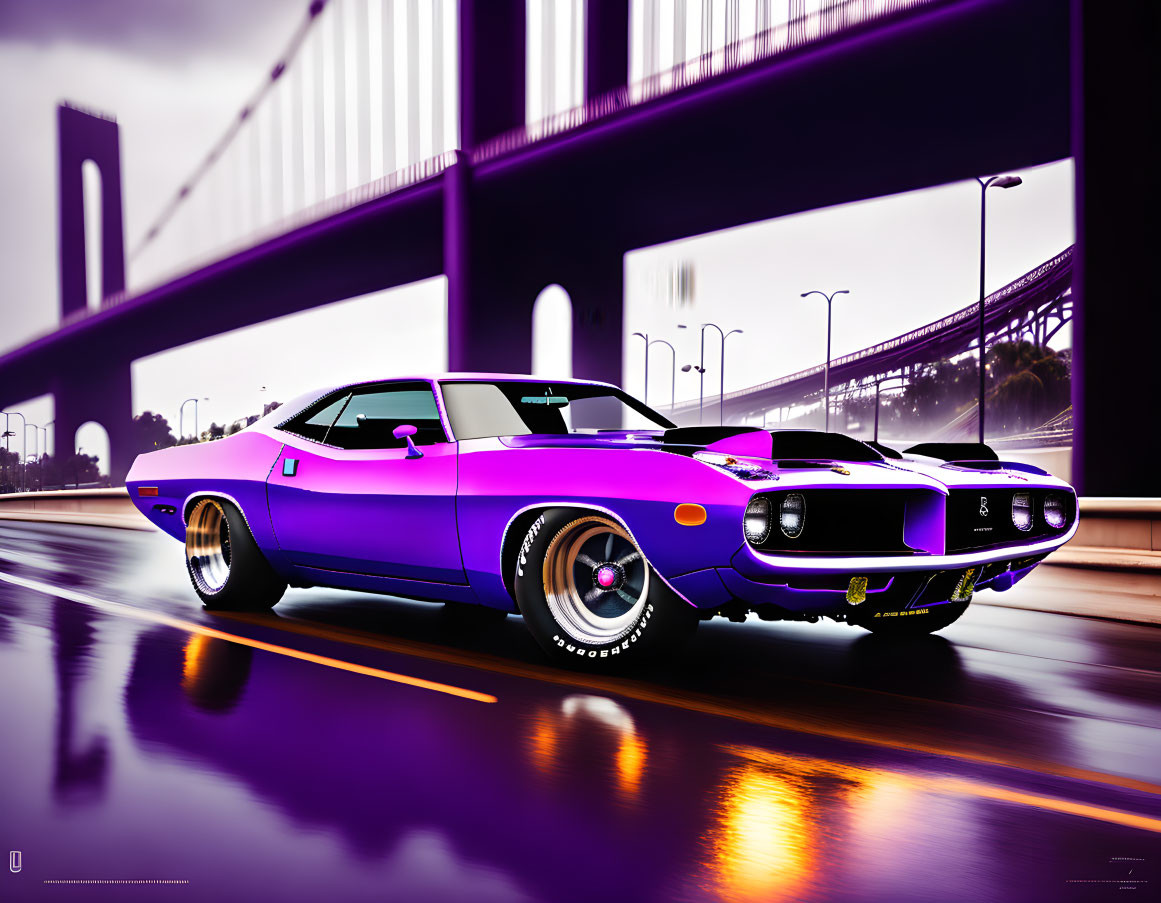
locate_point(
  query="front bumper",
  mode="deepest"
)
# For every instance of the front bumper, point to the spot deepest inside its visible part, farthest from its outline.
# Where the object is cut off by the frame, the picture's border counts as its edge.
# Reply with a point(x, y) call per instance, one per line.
point(765, 567)
point(819, 584)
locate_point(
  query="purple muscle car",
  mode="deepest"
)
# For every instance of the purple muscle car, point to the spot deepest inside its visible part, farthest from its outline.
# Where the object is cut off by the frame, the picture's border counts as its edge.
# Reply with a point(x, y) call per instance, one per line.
point(608, 528)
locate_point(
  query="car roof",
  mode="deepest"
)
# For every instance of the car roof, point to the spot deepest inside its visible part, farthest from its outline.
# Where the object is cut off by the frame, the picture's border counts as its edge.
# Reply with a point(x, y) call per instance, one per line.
point(468, 376)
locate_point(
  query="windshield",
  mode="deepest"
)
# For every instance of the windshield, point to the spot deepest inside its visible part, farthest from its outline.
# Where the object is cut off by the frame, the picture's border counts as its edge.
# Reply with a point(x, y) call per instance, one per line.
point(479, 410)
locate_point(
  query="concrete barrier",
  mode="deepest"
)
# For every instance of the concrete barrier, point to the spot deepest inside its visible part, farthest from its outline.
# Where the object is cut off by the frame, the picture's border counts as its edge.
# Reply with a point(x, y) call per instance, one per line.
point(92, 507)
point(1114, 533)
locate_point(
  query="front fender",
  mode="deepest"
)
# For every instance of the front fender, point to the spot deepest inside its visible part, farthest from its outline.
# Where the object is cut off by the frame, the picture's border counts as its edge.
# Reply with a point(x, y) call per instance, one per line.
point(639, 487)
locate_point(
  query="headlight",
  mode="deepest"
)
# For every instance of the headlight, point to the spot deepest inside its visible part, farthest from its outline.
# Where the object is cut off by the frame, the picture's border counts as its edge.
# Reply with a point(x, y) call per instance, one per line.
point(756, 522)
point(1054, 512)
point(1022, 511)
point(792, 515)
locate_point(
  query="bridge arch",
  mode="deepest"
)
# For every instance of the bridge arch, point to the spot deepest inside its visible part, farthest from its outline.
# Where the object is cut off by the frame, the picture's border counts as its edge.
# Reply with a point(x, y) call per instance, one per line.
point(91, 438)
point(552, 333)
point(92, 202)
point(91, 244)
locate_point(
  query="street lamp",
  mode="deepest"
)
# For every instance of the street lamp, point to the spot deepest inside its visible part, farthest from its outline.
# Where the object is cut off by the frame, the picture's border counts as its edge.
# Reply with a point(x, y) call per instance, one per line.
point(685, 369)
point(878, 383)
point(701, 371)
point(645, 391)
point(826, 372)
point(45, 430)
point(35, 449)
point(23, 442)
point(985, 184)
point(181, 417)
point(672, 369)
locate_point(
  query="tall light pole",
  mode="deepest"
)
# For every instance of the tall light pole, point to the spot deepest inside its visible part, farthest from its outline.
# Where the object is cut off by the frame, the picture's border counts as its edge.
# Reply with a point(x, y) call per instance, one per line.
point(45, 429)
point(23, 443)
point(878, 383)
point(645, 391)
point(985, 184)
point(685, 368)
point(35, 438)
point(701, 370)
point(181, 417)
point(722, 384)
point(7, 433)
point(672, 370)
point(826, 372)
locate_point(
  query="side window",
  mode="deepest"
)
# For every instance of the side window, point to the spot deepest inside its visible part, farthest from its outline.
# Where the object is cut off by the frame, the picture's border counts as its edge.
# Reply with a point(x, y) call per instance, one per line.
point(370, 418)
point(316, 420)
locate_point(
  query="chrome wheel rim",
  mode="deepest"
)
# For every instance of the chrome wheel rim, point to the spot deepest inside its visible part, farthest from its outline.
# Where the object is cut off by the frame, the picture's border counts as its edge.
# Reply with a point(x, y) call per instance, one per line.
point(207, 546)
point(596, 581)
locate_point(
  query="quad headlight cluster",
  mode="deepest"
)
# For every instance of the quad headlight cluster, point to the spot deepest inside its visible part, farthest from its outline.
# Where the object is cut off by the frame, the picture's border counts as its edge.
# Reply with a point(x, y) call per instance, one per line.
point(1022, 511)
point(758, 520)
point(1055, 512)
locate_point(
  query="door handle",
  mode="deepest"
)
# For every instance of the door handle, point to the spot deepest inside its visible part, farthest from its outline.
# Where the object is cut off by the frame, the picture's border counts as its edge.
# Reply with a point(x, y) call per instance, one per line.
point(289, 467)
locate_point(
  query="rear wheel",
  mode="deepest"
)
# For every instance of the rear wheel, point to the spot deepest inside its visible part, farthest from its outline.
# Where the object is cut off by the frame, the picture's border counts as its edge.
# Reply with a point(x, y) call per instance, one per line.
point(910, 622)
point(227, 569)
point(588, 595)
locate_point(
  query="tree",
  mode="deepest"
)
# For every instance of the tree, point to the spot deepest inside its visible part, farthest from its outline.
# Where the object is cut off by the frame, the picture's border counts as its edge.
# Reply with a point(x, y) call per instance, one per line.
point(151, 432)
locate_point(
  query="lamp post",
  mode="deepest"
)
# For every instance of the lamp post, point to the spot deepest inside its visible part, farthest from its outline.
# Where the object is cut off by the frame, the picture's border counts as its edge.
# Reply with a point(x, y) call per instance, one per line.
point(722, 383)
point(826, 372)
point(985, 184)
point(701, 371)
point(878, 383)
point(35, 449)
point(645, 391)
point(45, 430)
point(685, 368)
point(23, 442)
point(672, 369)
point(7, 433)
point(181, 417)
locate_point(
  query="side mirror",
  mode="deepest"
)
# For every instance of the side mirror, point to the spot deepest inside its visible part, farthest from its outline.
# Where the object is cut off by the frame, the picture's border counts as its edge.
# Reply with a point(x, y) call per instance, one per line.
point(406, 431)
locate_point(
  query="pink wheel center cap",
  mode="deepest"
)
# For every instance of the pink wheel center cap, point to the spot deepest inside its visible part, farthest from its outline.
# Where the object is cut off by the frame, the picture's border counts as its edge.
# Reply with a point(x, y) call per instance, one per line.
point(606, 576)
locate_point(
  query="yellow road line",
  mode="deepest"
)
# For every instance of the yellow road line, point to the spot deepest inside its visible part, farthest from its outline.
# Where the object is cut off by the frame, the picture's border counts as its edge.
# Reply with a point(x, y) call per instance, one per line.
point(704, 703)
point(123, 610)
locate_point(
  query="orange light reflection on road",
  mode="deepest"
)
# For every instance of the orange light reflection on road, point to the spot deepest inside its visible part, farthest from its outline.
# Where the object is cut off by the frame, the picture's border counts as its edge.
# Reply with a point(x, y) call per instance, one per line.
point(761, 845)
point(581, 721)
point(631, 755)
point(195, 648)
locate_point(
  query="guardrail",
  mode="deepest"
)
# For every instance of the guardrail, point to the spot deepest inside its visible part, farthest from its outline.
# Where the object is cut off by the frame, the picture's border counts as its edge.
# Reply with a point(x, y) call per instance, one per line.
point(1114, 533)
point(91, 507)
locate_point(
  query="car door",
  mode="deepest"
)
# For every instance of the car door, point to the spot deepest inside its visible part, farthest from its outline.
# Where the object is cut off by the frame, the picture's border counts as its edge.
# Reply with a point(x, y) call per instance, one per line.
point(346, 495)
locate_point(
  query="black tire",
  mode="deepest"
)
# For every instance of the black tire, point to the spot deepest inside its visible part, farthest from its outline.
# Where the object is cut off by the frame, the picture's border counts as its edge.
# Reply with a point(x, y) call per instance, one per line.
point(227, 569)
point(909, 622)
point(570, 555)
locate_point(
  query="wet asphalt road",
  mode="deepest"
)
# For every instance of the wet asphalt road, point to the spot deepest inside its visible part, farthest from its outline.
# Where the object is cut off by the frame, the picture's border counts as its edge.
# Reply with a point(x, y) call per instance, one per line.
point(368, 748)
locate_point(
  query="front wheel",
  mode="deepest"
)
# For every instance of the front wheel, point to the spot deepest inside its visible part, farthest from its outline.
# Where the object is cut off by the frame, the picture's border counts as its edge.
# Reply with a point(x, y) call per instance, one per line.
point(588, 595)
point(227, 569)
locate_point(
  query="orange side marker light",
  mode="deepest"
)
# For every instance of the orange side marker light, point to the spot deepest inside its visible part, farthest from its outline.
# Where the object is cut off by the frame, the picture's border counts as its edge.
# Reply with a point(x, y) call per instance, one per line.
point(689, 515)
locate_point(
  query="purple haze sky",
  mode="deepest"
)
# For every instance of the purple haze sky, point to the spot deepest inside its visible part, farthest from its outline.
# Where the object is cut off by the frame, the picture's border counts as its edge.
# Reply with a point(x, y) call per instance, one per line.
point(174, 74)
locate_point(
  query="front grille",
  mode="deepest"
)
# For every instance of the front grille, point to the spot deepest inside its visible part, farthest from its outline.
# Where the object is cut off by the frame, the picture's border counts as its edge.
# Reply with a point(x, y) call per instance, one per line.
point(980, 519)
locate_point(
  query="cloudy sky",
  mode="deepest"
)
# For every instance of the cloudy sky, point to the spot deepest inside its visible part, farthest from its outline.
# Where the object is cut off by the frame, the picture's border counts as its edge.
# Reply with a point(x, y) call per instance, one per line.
point(175, 73)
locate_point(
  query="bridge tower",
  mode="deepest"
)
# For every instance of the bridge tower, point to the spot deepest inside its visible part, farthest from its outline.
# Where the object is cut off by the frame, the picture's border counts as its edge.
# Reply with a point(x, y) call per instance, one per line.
point(96, 385)
point(496, 261)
